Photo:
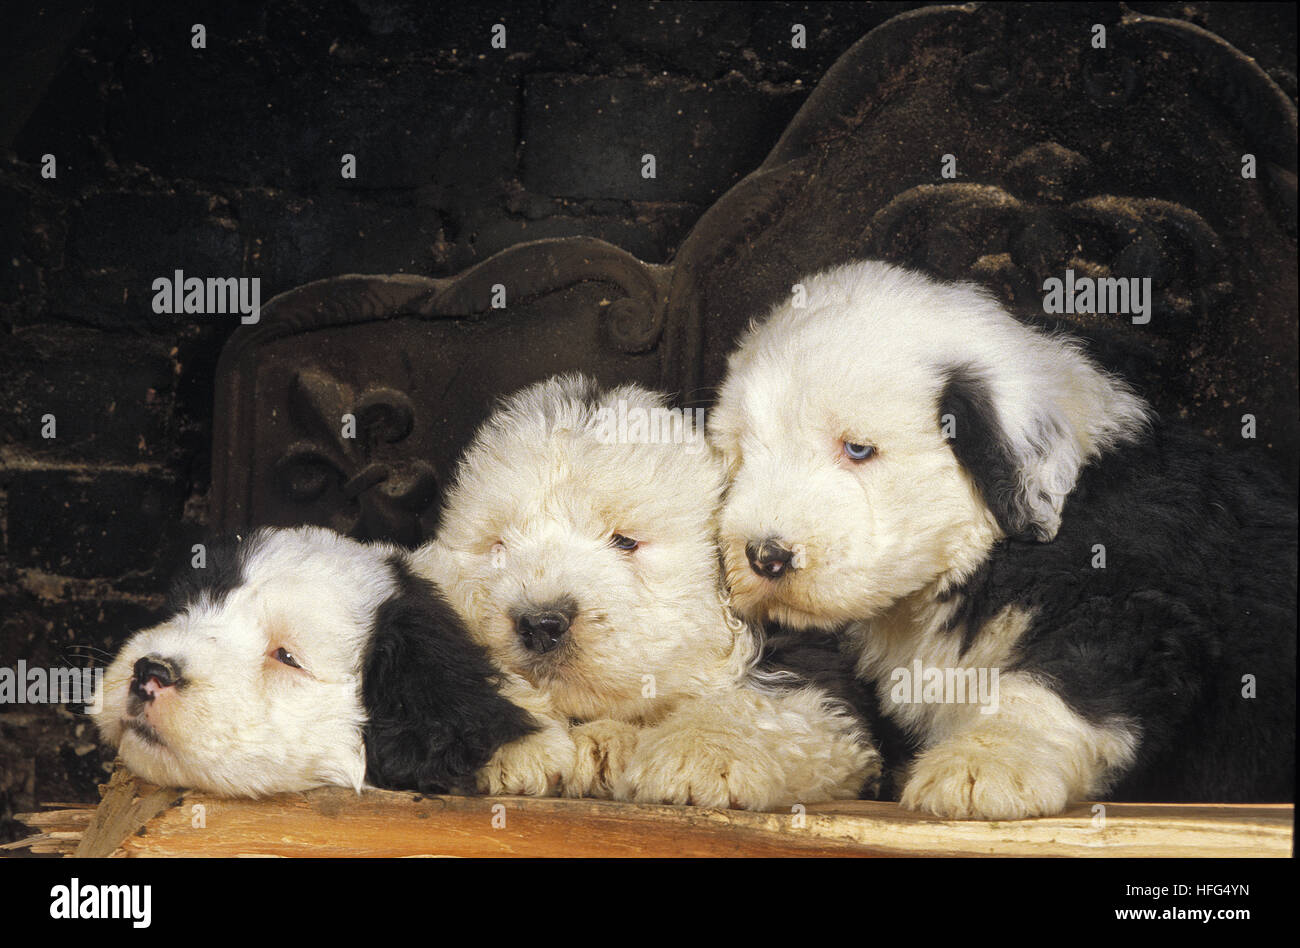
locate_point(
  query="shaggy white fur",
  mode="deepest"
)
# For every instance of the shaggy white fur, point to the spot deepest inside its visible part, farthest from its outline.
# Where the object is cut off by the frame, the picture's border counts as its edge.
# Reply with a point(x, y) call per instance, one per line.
point(647, 692)
point(244, 722)
point(829, 424)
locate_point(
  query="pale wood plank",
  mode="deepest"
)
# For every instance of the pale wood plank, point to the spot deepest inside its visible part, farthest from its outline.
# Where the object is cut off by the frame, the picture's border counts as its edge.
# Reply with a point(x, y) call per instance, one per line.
point(136, 819)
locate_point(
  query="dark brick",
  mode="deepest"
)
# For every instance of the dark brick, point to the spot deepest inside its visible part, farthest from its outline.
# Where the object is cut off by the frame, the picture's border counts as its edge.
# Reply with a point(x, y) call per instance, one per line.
point(47, 753)
point(111, 396)
point(699, 39)
point(831, 29)
point(446, 35)
point(585, 137)
point(711, 40)
point(154, 233)
point(419, 129)
point(45, 627)
point(32, 235)
point(80, 524)
point(19, 277)
point(296, 240)
point(69, 124)
point(407, 126)
point(37, 229)
point(119, 243)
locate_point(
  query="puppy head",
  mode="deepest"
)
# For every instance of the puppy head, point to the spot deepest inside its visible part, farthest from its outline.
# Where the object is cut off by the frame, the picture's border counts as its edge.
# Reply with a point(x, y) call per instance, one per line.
point(254, 684)
point(883, 437)
point(577, 542)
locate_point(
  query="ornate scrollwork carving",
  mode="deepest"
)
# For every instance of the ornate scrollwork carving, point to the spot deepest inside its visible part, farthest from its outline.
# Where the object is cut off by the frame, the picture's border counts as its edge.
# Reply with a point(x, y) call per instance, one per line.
point(1016, 241)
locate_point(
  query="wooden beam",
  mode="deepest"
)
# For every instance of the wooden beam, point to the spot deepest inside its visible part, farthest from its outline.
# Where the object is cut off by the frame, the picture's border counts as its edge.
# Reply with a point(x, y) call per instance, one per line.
point(135, 819)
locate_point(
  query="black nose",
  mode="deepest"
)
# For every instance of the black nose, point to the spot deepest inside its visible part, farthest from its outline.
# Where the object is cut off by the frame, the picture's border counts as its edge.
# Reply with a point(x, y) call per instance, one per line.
point(770, 558)
point(151, 668)
point(544, 630)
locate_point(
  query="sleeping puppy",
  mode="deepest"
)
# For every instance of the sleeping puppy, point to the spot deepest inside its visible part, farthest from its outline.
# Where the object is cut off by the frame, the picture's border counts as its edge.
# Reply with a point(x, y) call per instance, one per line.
point(300, 658)
point(1058, 596)
point(578, 543)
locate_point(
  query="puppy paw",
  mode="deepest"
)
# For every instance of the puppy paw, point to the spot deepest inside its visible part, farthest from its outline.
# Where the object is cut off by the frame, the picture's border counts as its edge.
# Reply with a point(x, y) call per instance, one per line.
point(971, 780)
point(604, 749)
point(696, 768)
point(538, 765)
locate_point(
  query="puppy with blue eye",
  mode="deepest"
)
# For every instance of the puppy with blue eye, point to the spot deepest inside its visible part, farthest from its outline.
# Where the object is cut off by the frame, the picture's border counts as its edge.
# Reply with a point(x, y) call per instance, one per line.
point(578, 544)
point(300, 658)
point(939, 484)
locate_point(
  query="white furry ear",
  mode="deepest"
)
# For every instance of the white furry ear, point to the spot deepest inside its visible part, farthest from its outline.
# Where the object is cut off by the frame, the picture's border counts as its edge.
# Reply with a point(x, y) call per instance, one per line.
point(1024, 429)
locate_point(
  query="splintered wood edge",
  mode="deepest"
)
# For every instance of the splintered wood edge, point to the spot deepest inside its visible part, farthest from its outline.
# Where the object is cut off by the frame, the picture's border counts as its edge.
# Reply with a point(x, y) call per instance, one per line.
point(125, 806)
point(57, 818)
point(137, 819)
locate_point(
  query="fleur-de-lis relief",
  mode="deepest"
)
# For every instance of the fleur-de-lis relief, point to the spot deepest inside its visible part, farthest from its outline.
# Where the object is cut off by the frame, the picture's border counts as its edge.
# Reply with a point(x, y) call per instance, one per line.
point(380, 497)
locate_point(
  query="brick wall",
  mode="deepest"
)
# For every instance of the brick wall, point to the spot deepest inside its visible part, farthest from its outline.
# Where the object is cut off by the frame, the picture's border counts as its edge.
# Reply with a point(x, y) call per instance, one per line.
point(225, 161)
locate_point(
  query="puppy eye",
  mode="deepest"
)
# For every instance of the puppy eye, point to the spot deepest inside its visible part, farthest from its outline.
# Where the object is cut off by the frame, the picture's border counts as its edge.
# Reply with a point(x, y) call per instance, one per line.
point(859, 452)
point(283, 655)
point(620, 542)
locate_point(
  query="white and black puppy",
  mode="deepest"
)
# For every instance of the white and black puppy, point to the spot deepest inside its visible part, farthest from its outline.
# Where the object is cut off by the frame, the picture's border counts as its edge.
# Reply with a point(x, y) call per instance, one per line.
point(300, 658)
point(1057, 595)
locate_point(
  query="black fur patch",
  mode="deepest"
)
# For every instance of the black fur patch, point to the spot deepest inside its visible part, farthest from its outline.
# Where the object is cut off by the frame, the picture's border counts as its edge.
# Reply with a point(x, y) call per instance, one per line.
point(430, 692)
point(1198, 591)
point(225, 558)
point(981, 446)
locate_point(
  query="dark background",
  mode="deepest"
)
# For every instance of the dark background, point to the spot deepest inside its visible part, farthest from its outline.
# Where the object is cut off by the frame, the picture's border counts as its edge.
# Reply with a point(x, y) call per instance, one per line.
point(225, 161)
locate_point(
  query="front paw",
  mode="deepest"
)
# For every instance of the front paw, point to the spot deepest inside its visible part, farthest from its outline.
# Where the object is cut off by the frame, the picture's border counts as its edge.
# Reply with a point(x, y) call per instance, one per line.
point(992, 780)
point(538, 765)
point(604, 749)
point(695, 768)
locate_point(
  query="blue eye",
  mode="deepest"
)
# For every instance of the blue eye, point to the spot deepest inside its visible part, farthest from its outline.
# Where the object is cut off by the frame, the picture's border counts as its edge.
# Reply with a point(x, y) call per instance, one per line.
point(859, 452)
point(624, 543)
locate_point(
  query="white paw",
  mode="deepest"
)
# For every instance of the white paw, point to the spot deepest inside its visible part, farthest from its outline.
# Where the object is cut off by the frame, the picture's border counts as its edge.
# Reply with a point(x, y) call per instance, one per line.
point(697, 767)
point(604, 749)
point(974, 780)
point(538, 765)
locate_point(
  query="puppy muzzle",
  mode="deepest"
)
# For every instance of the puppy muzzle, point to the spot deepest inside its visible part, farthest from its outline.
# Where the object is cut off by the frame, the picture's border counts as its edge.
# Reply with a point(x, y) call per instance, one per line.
point(153, 675)
point(544, 630)
point(770, 558)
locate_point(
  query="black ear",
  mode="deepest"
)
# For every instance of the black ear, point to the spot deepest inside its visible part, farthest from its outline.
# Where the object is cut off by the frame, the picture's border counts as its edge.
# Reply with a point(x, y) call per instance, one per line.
point(223, 570)
point(435, 714)
point(969, 419)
